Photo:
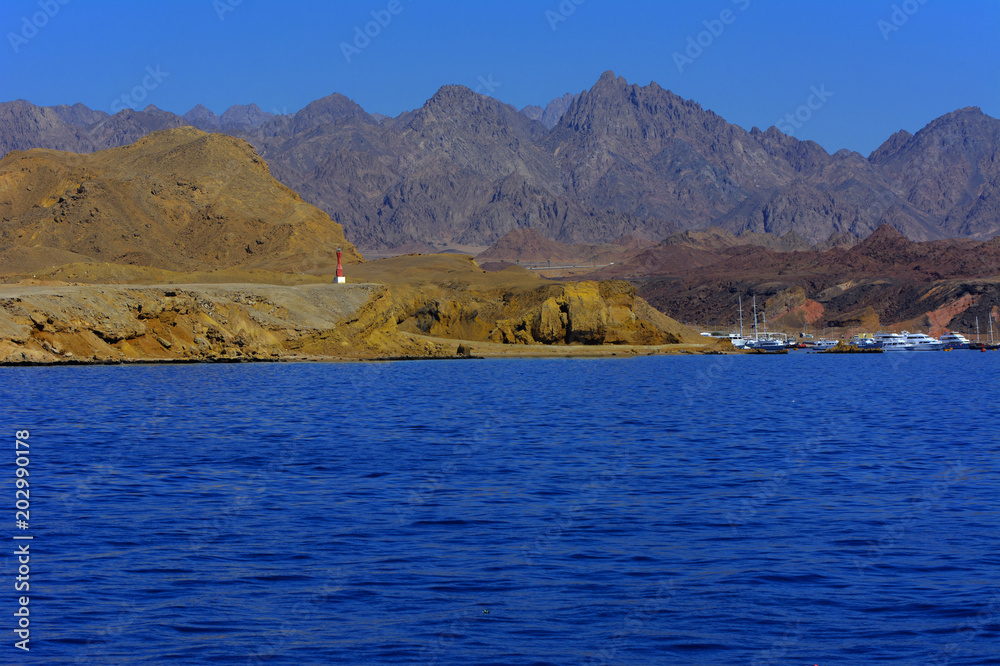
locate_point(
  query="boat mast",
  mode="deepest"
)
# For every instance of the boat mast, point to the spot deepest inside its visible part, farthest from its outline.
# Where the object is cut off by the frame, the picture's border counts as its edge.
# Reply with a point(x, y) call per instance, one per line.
point(977, 328)
point(741, 316)
point(755, 337)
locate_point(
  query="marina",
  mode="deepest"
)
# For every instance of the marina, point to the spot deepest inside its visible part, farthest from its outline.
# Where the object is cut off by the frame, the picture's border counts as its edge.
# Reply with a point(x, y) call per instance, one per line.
point(764, 340)
point(903, 341)
point(884, 341)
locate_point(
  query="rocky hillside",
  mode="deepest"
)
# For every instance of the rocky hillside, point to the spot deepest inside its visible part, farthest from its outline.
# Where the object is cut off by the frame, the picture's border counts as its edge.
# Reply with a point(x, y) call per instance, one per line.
point(528, 246)
point(177, 199)
point(464, 170)
point(884, 280)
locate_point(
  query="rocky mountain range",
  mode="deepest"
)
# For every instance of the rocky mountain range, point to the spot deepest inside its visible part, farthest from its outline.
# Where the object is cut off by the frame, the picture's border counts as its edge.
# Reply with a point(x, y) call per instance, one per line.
point(617, 160)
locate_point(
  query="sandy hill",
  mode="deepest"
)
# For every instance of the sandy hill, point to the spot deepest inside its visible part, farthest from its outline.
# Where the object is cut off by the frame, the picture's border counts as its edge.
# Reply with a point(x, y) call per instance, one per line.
point(177, 199)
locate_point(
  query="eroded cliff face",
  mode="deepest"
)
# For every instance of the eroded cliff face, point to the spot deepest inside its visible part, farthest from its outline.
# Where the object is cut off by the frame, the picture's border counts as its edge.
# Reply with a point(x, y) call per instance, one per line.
point(591, 313)
point(232, 322)
point(101, 323)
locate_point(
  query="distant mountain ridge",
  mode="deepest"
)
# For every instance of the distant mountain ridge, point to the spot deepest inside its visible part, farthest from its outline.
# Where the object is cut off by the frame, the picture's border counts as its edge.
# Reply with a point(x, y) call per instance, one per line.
point(616, 160)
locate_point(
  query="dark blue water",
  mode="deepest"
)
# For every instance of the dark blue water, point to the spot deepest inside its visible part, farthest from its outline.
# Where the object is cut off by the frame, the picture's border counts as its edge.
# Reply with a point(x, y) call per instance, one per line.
point(800, 509)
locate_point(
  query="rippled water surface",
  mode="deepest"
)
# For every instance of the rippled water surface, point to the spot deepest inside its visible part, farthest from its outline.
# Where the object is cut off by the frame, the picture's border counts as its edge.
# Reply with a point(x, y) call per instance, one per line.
point(800, 509)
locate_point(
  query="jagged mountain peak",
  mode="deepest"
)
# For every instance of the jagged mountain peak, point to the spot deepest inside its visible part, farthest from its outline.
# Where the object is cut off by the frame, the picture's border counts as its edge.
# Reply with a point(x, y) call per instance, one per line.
point(460, 99)
point(457, 109)
point(969, 123)
point(78, 114)
point(331, 109)
point(965, 113)
point(203, 118)
point(244, 117)
point(891, 146)
point(949, 169)
point(609, 79)
point(955, 130)
point(672, 140)
point(613, 105)
point(199, 110)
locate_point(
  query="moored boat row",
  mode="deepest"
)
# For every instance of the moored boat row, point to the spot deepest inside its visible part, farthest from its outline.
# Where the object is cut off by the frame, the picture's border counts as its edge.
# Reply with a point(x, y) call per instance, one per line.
point(889, 342)
point(764, 340)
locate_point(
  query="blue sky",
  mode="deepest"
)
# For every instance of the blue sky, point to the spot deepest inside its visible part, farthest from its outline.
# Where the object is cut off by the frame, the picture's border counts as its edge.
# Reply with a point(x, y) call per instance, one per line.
point(880, 65)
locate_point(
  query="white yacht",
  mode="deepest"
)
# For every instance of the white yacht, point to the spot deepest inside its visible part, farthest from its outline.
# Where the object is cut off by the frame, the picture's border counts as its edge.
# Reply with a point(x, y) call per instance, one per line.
point(922, 342)
point(954, 341)
point(864, 341)
point(824, 344)
point(766, 344)
point(892, 342)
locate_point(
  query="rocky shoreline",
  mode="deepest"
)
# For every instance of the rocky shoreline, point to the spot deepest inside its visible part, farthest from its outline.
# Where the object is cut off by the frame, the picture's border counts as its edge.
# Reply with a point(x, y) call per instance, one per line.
point(87, 324)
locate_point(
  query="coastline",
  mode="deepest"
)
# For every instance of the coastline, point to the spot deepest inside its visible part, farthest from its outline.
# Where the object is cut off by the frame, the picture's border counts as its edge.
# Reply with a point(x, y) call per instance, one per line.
point(64, 324)
point(477, 353)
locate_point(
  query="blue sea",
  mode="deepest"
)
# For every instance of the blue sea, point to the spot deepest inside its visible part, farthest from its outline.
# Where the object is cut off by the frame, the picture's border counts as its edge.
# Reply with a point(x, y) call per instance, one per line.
point(801, 509)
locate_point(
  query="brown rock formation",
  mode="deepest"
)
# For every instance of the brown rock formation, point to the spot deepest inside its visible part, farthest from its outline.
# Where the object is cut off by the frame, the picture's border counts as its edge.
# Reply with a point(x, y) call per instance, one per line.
point(589, 313)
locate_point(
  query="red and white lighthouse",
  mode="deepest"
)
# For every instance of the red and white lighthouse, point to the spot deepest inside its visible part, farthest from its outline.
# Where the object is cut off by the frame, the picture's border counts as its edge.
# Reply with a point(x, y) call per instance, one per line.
point(340, 269)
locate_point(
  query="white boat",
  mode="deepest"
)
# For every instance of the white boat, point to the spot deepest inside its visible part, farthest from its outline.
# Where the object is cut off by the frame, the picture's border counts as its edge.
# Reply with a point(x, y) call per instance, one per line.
point(738, 340)
point(824, 344)
point(954, 341)
point(922, 342)
point(892, 342)
point(766, 344)
point(864, 341)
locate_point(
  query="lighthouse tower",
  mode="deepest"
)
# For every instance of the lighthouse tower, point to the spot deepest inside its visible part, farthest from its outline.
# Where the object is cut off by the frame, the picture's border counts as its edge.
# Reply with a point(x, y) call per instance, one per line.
point(340, 269)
